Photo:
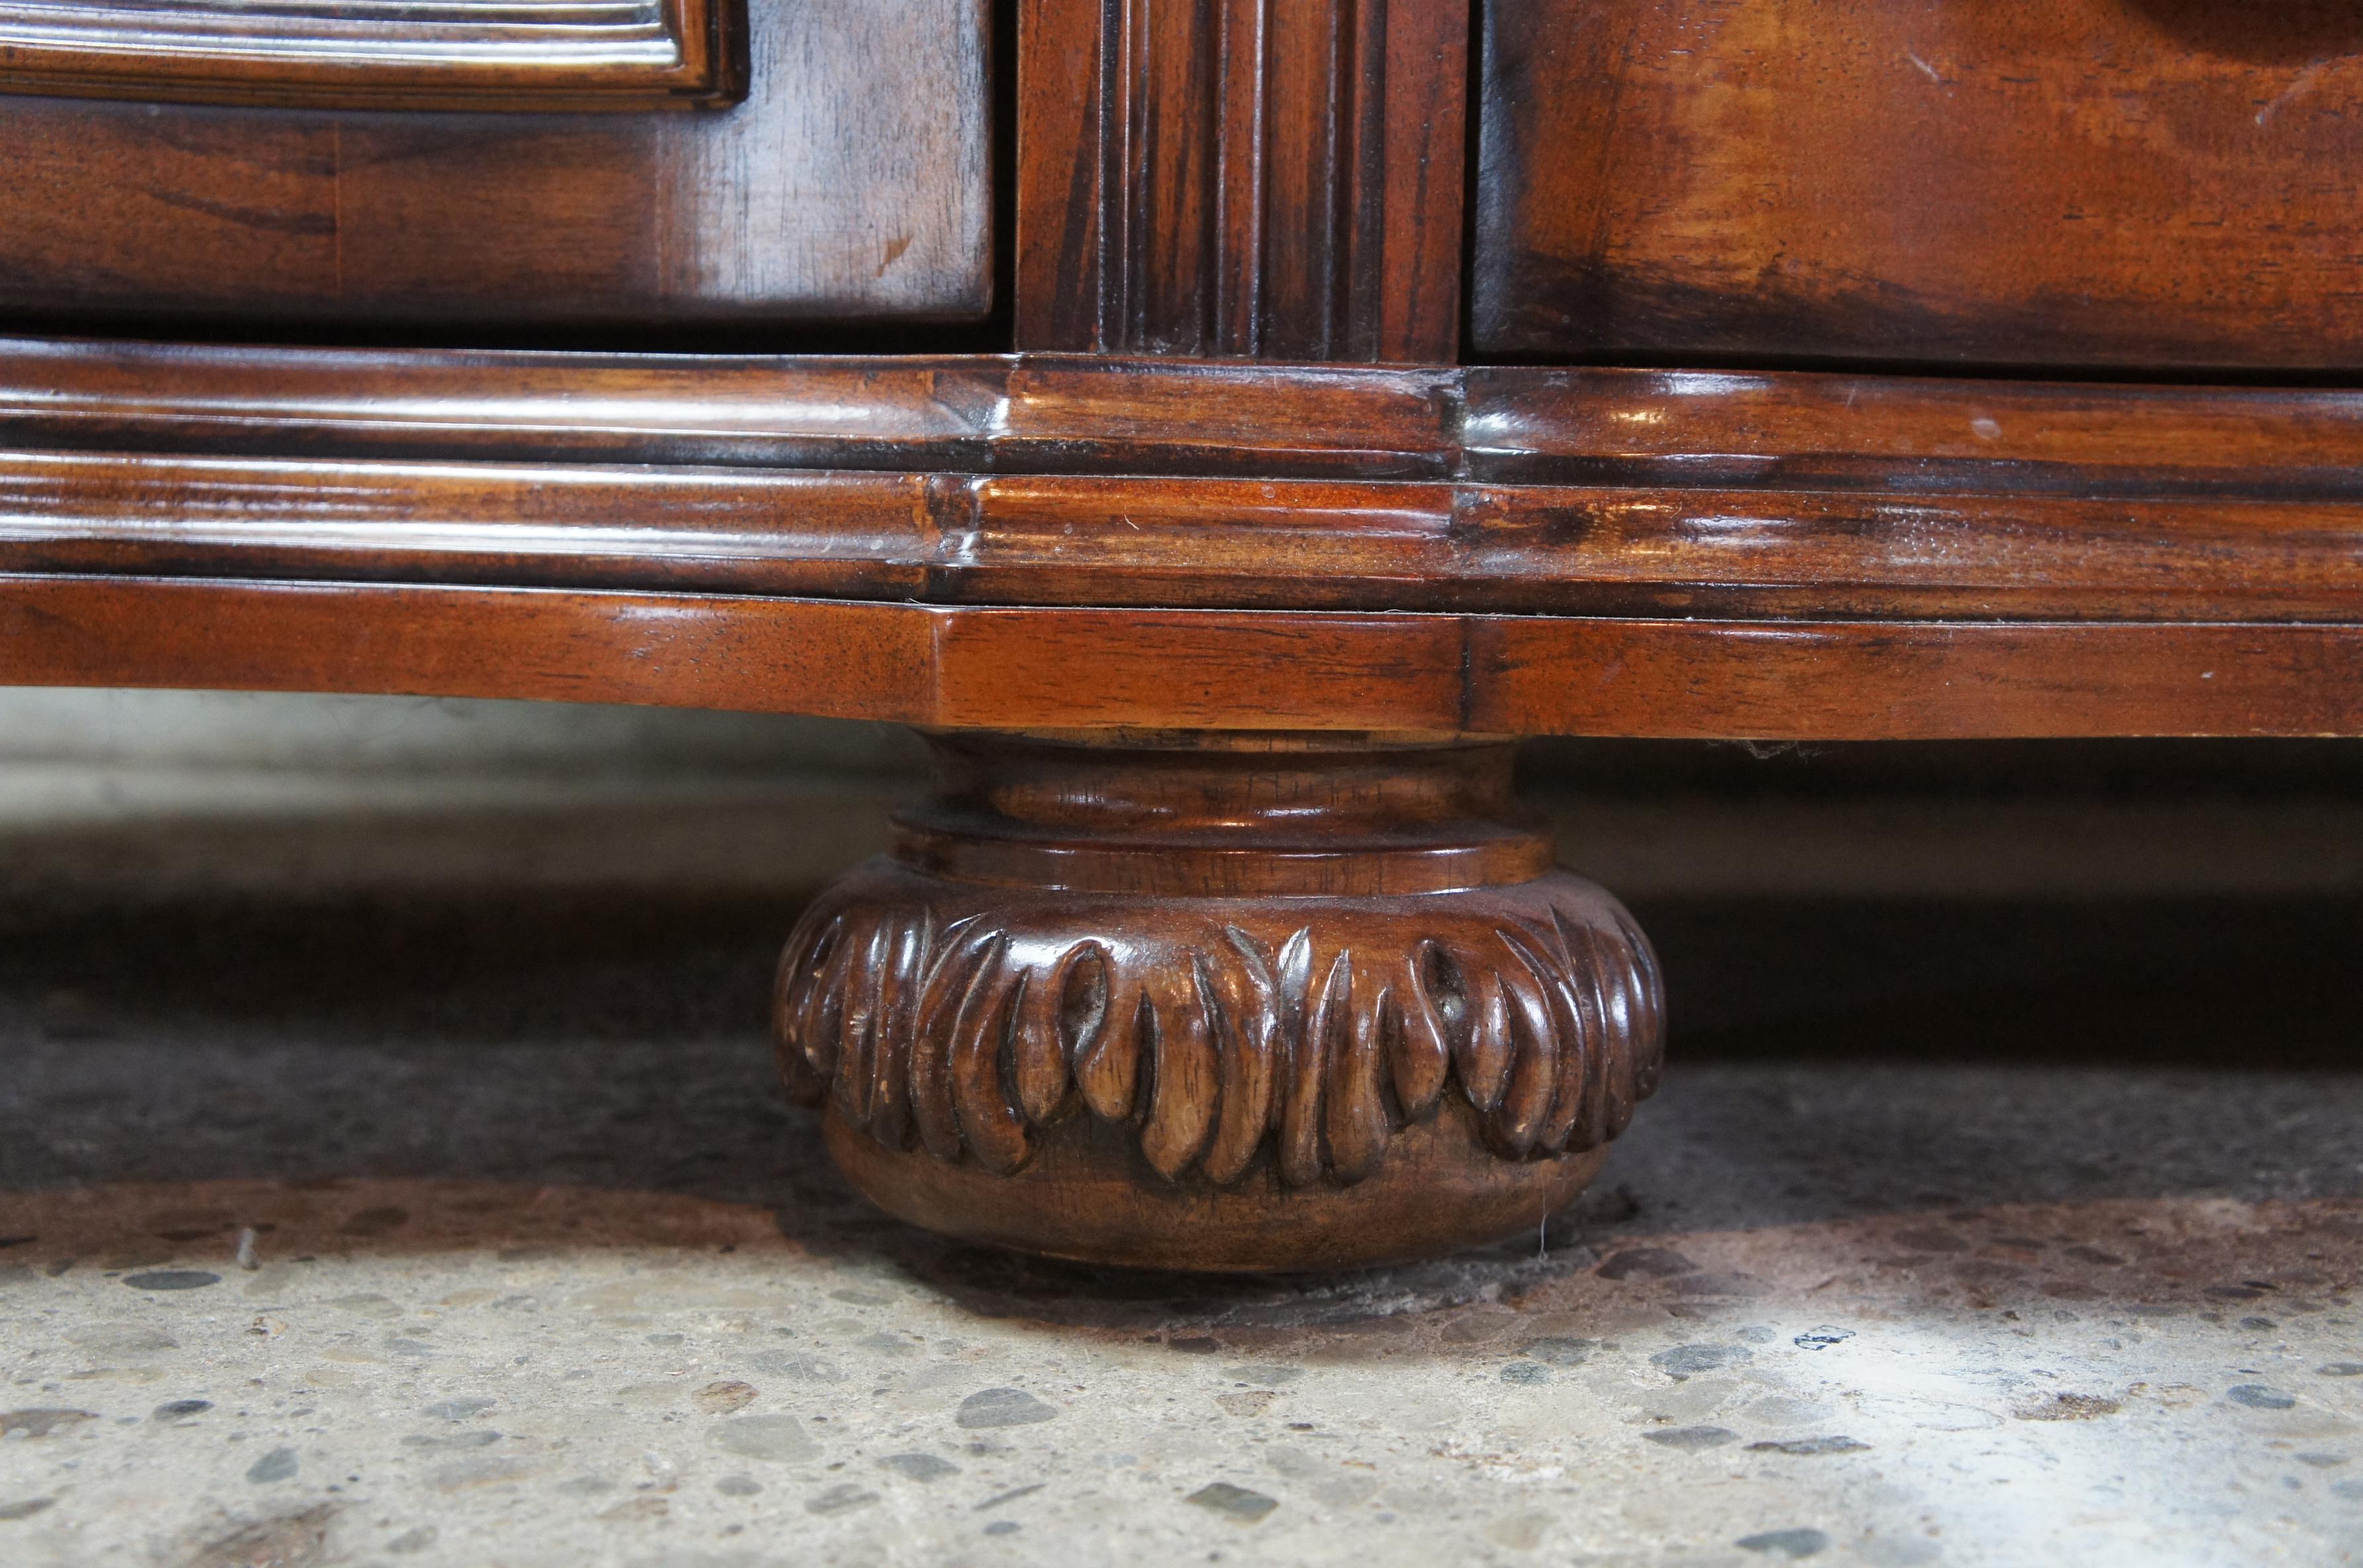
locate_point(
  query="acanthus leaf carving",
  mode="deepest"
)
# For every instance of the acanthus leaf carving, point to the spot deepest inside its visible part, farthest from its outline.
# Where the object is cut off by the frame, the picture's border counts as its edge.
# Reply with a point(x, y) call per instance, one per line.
point(1222, 1032)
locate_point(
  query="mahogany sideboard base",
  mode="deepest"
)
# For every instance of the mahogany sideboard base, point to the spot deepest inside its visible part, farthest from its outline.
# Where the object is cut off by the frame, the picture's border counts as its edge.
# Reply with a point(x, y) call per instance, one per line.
point(1224, 945)
point(1226, 588)
point(1219, 1002)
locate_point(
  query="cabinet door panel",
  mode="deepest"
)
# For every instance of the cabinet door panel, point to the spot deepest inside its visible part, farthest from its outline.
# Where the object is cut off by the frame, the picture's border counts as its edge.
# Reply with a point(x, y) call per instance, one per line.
point(2037, 183)
point(493, 54)
point(851, 181)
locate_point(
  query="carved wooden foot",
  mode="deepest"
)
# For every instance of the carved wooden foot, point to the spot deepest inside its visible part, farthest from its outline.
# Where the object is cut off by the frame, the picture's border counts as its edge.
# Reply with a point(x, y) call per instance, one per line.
point(1229, 1003)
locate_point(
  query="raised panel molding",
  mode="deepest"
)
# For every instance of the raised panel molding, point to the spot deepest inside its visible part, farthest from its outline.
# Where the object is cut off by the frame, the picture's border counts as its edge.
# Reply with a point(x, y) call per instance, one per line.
point(442, 54)
point(853, 182)
point(1264, 178)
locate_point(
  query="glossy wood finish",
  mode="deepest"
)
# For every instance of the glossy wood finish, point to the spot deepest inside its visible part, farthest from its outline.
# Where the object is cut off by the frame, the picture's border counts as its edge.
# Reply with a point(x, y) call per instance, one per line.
point(2141, 184)
point(1715, 429)
point(484, 54)
point(852, 182)
point(1038, 542)
point(985, 414)
point(1118, 669)
point(1196, 989)
point(1188, 543)
point(1072, 481)
point(1086, 1196)
point(1040, 414)
point(1274, 178)
point(1240, 817)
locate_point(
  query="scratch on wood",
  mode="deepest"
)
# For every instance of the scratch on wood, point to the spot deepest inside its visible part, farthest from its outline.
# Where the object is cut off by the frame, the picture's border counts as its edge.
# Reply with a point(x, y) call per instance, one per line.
point(2305, 80)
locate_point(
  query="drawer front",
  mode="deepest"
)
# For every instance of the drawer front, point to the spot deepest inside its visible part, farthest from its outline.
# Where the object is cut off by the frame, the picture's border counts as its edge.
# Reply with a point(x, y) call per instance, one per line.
point(628, 163)
point(2030, 182)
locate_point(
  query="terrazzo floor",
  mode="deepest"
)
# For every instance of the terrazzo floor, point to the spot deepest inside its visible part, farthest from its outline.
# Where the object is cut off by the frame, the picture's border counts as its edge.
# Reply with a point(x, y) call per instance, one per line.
point(352, 1237)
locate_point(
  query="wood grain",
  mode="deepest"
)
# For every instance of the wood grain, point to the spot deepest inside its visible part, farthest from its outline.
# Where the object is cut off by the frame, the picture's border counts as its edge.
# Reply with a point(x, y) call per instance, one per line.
point(1202, 987)
point(986, 413)
point(1060, 481)
point(1127, 669)
point(505, 55)
point(1195, 543)
point(1083, 413)
point(1786, 430)
point(1265, 178)
point(852, 182)
point(2150, 183)
point(1085, 1197)
point(1031, 542)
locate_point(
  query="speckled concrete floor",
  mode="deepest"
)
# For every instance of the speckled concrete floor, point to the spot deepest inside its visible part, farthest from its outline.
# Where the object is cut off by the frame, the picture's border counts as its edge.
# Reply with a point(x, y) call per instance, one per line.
point(301, 1267)
point(392, 1174)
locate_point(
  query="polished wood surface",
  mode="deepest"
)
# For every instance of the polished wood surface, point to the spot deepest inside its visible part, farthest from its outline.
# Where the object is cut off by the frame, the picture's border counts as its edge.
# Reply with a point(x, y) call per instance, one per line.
point(1086, 1198)
point(1091, 669)
point(1273, 178)
point(1065, 542)
point(1235, 818)
point(1055, 480)
point(484, 54)
point(1039, 413)
point(1200, 987)
point(2139, 183)
point(986, 413)
point(1791, 431)
point(852, 182)
point(1189, 542)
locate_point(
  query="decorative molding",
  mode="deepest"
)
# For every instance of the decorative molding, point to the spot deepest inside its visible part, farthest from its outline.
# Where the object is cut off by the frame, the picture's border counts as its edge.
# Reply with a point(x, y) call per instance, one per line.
point(1265, 178)
point(983, 667)
point(961, 1019)
point(980, 413)
point(1771, 431)
point(1490, 550)
point(459, 54)
point(1181, 543)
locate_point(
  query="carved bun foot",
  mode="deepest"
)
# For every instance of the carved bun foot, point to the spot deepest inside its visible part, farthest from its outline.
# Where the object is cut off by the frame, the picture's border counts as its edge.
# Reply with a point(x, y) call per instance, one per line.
point(1239, 1004)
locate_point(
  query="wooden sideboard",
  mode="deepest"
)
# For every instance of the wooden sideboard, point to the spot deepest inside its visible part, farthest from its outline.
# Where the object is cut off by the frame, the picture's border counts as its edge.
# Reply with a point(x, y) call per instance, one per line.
point(1224, 427)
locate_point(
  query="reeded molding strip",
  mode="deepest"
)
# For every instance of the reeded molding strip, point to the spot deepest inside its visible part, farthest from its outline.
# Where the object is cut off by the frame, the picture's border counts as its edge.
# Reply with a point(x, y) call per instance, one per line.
point(1242, 177)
